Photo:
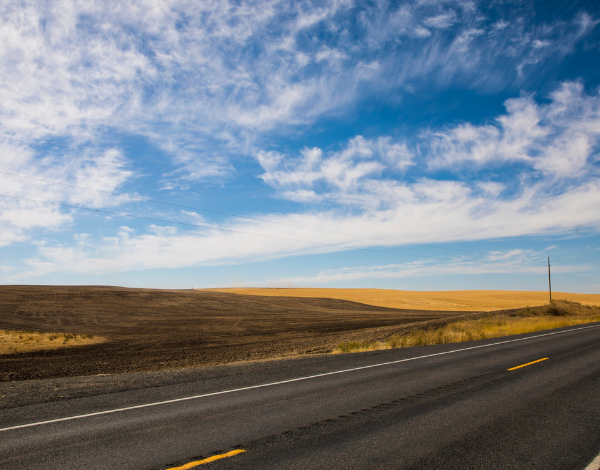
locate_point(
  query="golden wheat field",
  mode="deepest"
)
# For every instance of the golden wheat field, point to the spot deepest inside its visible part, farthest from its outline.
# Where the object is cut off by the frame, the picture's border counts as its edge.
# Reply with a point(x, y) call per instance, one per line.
point(465, 300)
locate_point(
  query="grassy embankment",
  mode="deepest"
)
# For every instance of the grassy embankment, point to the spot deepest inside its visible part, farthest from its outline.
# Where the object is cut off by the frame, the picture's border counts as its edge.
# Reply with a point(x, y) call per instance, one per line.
point(557, 314)
point(12, 342)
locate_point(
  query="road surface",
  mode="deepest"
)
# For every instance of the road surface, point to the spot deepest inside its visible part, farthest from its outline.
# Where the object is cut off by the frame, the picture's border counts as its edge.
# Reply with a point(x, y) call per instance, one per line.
point(456, 406)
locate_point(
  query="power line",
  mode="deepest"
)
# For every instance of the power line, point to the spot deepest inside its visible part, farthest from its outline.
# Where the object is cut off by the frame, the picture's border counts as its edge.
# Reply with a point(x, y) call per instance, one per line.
point(155, 219)
point(139, 198)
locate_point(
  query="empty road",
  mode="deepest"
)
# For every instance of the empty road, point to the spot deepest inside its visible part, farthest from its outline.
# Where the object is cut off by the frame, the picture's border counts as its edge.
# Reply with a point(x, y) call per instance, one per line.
point(529, 401)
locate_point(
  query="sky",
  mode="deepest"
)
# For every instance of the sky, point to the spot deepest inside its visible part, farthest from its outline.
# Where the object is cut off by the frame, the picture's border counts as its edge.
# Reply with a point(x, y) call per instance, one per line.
point(420, 145)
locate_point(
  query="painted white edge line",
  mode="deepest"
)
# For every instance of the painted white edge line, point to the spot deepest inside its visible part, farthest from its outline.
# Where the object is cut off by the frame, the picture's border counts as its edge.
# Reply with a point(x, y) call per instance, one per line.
point(594, 464)
point(298, 379)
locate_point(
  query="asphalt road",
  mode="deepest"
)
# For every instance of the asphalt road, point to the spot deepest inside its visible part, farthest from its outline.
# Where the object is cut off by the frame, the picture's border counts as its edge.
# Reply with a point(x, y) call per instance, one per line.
point(447, 406)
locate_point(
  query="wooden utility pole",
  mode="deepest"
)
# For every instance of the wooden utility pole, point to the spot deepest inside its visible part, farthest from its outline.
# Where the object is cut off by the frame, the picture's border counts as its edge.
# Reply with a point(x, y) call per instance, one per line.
point(549, 283)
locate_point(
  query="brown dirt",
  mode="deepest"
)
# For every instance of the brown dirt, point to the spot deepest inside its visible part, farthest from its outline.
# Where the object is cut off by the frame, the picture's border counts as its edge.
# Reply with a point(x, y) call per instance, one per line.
point(459, 300)
point(162, 329)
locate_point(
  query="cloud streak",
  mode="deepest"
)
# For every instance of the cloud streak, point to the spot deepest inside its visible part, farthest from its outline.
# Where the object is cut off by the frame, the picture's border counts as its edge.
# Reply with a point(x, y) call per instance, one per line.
point(432, 215)
point(423, 269)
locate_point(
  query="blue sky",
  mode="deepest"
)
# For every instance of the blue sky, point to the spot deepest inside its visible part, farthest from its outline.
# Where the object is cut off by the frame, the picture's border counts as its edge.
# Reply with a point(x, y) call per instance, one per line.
point(422, 145)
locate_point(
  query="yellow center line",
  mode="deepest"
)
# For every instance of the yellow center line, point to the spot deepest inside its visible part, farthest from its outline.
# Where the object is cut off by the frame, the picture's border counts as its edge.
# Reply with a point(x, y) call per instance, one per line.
point(208, 460)
point(528, 364)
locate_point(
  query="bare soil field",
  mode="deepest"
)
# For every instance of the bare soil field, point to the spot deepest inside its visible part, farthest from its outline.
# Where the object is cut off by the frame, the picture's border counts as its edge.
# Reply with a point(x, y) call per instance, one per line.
point(145, 329)
point(479, 300)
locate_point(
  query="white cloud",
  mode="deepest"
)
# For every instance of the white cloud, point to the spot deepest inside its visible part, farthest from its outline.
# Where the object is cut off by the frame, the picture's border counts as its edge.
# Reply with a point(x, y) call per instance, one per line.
point(56, 80)
point(104, 172)
point(346, 175)
point(427, 212)
point(556, 139)
point(421, 269)
point(17, 217)
point(20, 213)
point(556, 143)
point(301, 195)
point(515, 254)
point(328, 54)
point(441, 21)
point(192, 170)
point(421, 32)
point(397, 155)
point(491, 188)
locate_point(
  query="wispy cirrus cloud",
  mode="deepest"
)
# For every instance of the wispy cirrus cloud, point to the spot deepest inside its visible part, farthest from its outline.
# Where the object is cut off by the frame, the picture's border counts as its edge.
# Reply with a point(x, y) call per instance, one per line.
point(212, 168)
point(20, 211)
point(420, 269)
point(210, 83)
point(181, 71)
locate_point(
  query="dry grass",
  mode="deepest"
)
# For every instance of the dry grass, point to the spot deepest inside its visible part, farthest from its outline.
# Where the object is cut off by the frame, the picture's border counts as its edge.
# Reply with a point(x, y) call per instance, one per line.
point(12, 342)
point(468, 300)
point(528, 320)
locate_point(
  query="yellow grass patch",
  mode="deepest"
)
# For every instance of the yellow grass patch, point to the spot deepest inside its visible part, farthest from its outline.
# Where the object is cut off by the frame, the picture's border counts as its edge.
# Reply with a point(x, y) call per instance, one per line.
point(12, 342)
point(473, 300)
point(556, 315)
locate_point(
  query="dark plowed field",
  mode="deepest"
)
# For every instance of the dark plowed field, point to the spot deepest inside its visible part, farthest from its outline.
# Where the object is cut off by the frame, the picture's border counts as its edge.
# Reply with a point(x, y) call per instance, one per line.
point(158, 329)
